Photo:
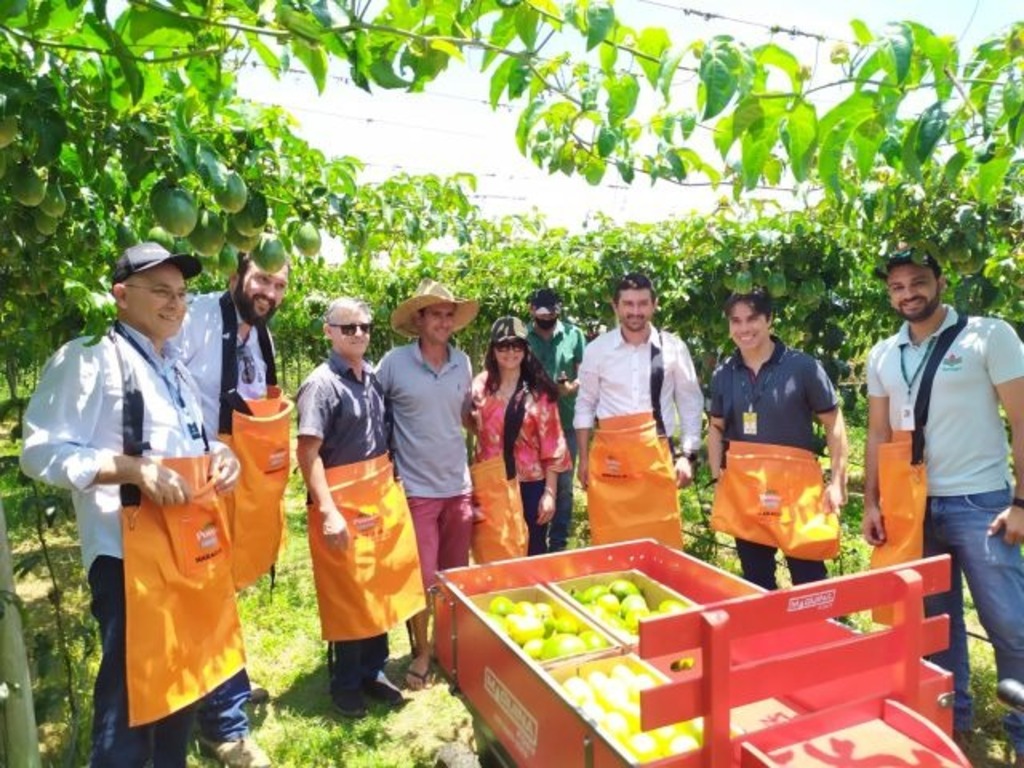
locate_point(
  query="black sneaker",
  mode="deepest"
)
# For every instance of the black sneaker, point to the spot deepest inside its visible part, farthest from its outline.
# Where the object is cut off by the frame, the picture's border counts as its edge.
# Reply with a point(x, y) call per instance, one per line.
point(382, 690)
point(350, 704)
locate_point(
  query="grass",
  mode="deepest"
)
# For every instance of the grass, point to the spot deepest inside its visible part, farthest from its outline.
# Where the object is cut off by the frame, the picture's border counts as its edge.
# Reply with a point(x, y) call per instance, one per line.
point(297, 726)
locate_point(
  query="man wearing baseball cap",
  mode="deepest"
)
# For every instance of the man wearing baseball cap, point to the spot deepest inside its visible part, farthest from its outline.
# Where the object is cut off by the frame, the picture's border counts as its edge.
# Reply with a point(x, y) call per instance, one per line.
point(118, 424)
point(559, 345)
point(935, 390)
point(427, 385)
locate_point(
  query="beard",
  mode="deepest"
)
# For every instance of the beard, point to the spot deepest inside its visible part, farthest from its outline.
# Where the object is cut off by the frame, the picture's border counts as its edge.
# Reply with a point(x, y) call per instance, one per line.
point(246, 306)
point(929, 308)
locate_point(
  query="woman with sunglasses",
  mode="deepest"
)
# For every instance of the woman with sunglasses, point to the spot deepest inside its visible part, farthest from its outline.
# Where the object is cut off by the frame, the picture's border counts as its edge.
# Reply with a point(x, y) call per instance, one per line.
point(515, 390)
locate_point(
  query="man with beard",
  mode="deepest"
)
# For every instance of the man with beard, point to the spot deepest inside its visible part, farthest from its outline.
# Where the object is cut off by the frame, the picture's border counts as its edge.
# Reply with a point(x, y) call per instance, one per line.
point(559, 345)
point(639, 384)
point(228, 349)
point(972, 512)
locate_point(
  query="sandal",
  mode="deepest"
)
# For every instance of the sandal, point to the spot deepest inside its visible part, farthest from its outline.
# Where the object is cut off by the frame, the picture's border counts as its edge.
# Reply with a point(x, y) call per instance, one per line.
point(417, 681)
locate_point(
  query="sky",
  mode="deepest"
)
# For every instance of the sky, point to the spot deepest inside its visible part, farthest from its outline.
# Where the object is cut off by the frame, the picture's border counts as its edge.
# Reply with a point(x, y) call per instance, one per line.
point(452, 128)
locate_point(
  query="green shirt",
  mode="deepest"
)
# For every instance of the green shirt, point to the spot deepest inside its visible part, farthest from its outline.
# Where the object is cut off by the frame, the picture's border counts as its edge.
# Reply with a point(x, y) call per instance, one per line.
point(561, 354)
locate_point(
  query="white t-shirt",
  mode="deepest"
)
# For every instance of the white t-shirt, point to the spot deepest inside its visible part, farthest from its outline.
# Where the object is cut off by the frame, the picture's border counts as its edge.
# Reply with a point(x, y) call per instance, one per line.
point(966, 447)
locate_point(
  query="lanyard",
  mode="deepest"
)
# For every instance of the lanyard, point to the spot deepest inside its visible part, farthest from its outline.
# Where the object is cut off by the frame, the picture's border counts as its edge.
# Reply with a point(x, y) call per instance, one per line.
point(920, 366)
point(765, 377)
point(186, 418)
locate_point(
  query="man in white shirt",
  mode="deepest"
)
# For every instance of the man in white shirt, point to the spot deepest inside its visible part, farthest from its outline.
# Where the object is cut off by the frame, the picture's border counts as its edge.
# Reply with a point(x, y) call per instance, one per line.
point(227, 346)
point(639, 385)
point(103, 416)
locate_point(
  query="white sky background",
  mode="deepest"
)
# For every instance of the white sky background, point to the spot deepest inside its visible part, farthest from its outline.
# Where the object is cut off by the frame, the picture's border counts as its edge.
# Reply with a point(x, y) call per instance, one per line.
point(451, 127)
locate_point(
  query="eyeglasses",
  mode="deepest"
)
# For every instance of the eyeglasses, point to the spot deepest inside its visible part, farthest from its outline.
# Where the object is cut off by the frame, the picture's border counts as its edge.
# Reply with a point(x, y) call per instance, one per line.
point(505, 346)
point(165, 294)
point(246, 364)
point(349, 329)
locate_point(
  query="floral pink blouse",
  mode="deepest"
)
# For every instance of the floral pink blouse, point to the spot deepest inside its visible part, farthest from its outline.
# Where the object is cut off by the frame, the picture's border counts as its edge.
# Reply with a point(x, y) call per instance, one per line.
point(540, 446)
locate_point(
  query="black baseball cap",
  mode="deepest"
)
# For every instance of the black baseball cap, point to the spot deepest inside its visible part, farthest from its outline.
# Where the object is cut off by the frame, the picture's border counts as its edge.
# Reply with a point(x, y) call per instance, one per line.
point(546, 301)
point(908, 255)
point(145, 256)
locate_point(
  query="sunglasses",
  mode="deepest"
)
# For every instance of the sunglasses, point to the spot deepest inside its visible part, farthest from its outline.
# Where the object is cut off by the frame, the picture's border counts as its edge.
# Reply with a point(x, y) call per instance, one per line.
point(505, 346)
point(349, 329)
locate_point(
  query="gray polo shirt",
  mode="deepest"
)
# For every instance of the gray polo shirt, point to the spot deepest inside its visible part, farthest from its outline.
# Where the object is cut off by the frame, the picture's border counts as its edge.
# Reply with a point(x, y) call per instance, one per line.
point(347, 414)
point(790, 389)
point(426, 410)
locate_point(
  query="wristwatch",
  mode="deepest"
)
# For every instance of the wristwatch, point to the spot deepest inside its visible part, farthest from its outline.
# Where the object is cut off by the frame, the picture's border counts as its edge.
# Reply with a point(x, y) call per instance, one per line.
point(1017, 502)
point(690, 456)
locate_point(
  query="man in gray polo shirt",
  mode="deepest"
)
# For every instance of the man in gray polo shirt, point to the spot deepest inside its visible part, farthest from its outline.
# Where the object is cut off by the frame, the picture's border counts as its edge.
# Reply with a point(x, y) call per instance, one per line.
point(427, 384)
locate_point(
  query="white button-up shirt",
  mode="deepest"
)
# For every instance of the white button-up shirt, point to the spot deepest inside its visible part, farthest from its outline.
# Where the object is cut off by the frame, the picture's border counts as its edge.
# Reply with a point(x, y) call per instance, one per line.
point(74, 421)
point(615, 380)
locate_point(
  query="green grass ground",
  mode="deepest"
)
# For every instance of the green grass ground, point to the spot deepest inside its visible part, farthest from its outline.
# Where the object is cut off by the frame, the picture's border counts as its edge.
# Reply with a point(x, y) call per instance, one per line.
point(297, 726)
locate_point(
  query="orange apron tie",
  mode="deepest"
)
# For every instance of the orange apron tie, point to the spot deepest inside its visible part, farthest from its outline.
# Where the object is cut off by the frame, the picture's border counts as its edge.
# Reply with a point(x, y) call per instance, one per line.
point(771, 494)
point(375, 583)
point(631, 490)
point(502, 534)
point(183, 633)
point(255, 510)
point(903, 497)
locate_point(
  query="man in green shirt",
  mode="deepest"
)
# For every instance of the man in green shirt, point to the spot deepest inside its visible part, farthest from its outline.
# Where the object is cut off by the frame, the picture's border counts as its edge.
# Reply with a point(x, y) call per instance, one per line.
point(559, 347)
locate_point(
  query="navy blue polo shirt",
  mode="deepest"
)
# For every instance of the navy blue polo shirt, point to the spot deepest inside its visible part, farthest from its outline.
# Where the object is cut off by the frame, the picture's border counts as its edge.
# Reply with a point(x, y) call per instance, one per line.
point(788, 392)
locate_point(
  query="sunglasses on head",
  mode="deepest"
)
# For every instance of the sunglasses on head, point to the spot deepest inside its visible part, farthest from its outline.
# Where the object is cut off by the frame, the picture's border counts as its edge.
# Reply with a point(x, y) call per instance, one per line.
point(505, 346)
point(349, 329)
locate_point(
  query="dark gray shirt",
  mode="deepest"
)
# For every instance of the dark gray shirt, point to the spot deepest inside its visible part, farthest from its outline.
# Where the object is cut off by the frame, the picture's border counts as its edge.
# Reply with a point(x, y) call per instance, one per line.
point(347, 414)
point(787, 393)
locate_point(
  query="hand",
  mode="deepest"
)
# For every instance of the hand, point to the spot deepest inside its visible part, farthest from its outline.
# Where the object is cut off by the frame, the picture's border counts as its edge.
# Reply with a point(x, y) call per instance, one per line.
point(565, 387)
point(832, 500)
point(1011, 522)
point(684, 472)
point(224, 467)
point(164, 486)
point(546, 508)
point(582, 470)
point(334, 529)
point(872, 525)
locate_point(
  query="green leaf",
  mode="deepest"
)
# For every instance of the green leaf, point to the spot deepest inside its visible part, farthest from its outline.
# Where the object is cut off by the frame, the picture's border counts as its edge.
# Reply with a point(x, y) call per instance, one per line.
point(623, 92)
point(608, 55)
point(126, 63)
point(667, 71)
point(861, 32)
point(502, 33)
point(49, 131)
point(800, 135)
point(607, 139)
point(653, 41)
point(315, 61)
point(908, 153)
point(526, 122)
point(449, 49)
point(499, 80)
point(594, 170)
point(867, 138)
point(269, 58)
point(600, 20)
point(940, 53)
point(724, 135)
point(931, 126)
point(718, 74)
point(954, 165)
point(1013, 94)
point(527, 20)
point(991, 175)
point(772, 55)
point(898, 42)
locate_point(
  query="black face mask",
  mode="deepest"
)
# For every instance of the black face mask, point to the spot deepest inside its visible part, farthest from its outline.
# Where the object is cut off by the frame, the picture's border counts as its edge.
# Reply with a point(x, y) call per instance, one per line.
point(545, 325)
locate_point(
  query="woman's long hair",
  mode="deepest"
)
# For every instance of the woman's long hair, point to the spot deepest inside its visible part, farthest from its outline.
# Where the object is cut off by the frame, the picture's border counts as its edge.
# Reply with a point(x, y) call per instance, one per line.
point(532, 373)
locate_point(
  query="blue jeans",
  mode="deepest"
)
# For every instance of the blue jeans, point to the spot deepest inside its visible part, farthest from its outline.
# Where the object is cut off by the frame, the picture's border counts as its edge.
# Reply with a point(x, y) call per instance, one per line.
point(758, 563)
point(114, 743)
point(558, 528)
point(958, 526)
point(221, 714)
point(352, 663)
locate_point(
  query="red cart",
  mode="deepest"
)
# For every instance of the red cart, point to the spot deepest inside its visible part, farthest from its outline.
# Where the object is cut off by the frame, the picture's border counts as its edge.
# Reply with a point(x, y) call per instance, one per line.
point(776, 677)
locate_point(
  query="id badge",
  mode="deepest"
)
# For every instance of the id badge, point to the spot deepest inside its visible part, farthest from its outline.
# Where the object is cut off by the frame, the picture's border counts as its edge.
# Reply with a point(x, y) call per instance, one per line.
point(749, 423)
point(907, 418)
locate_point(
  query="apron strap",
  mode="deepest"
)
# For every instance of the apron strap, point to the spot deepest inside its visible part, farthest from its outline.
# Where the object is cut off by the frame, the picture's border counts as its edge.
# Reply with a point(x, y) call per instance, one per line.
point(133, 412)
point(228, 360)
point(924, 393)
point(657, 379)
point(515, 413)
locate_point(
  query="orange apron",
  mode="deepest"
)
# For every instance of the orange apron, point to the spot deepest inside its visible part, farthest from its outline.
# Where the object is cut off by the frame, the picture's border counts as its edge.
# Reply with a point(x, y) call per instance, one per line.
point(375, 583)
point(903, 497)
point(255, 511)
point(771, 494)
point(183, 633)
point(631, 489)
point(502, 534)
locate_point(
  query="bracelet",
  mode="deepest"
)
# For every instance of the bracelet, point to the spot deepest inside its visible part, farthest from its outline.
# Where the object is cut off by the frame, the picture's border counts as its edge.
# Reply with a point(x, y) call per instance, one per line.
point(1017, 502)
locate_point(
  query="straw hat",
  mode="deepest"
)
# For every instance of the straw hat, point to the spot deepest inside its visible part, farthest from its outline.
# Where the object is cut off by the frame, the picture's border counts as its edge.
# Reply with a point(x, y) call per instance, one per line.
point(428, 293)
